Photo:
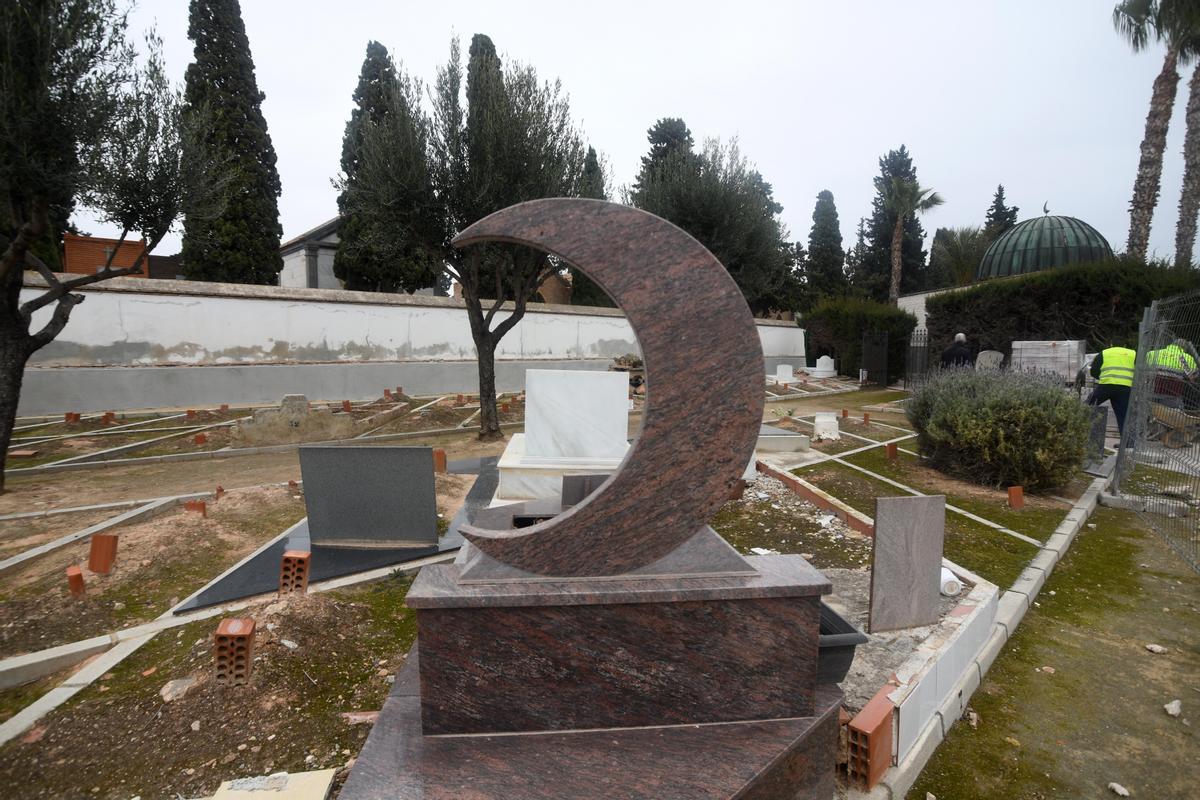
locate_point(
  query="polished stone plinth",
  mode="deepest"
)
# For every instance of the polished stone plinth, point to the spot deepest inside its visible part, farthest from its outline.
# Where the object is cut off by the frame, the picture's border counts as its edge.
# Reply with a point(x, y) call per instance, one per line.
point(773, 759)
point(606, 653)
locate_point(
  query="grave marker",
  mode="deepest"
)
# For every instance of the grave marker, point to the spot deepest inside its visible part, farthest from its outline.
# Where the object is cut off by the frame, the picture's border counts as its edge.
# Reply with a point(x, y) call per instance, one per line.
point(909, 533)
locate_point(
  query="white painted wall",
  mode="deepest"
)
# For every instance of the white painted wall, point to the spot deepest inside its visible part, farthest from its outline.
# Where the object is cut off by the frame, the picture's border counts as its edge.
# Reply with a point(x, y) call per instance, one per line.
point(294, 272)
point(133, 322)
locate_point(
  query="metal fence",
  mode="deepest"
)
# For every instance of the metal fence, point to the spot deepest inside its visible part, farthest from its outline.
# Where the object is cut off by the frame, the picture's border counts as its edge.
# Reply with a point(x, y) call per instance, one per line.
point(917, 365)
point(1160, 446)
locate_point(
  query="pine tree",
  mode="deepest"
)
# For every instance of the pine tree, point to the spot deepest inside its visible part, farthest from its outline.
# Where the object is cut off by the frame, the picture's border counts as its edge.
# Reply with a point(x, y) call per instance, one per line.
point(670, 142)
point(241, 245)
point(999, 216)
point(585, 291)
point(873, 274)
point(825, 267)
point(357, 264)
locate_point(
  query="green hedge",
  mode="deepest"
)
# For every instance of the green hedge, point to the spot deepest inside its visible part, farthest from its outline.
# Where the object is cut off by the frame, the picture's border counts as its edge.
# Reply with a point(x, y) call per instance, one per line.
point(1100, 302)
point(835, 328)
point(1000, 428)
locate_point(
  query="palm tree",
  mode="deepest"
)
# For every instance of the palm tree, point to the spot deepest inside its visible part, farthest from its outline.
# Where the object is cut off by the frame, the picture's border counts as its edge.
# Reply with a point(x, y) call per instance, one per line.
point(1188, 26)
point(904, 198)
point(957, 253)
point(1142, 22)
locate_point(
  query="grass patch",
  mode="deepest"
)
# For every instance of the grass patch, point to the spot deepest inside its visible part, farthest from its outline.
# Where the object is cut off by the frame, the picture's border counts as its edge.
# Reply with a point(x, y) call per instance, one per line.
point(989, 553)
point(1037, 520)
point(1089, 624)
point(780, 526)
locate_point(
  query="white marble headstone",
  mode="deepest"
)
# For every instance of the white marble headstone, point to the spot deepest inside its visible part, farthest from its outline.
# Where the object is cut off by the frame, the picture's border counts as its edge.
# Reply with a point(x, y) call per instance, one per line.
point(783, 373)
point(576, 414)
point(825, 427)
point(826, 368)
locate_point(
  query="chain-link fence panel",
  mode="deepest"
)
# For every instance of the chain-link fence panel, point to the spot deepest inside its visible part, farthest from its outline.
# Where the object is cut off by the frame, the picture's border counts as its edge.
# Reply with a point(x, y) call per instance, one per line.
point(1159, 464)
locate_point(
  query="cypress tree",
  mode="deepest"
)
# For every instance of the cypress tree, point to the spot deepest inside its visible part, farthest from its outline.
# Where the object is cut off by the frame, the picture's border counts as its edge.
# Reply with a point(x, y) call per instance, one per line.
point(585, 291)
point(356, 263)
point(824, 270)
point(873, 274)
point(999, 216)
point(241, 245)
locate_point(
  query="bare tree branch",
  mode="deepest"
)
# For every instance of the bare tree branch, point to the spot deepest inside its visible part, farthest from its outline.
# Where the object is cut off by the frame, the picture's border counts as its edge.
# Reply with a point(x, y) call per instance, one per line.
point(58, 320)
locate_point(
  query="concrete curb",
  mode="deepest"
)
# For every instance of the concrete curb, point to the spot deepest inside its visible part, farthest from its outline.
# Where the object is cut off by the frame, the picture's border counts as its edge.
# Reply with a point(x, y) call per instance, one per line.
point(1011, 609)
point(235, 452)
point(150, 509)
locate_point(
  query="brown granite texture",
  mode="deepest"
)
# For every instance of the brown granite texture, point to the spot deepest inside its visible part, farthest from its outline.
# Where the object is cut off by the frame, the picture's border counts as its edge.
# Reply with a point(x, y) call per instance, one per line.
point(704, 398)
point(439, 586)
point(543, 668)
point(782, 759)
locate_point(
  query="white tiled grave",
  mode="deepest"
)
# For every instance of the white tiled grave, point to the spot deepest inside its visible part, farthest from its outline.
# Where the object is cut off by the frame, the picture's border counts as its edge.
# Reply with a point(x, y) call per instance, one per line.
point(576, 423)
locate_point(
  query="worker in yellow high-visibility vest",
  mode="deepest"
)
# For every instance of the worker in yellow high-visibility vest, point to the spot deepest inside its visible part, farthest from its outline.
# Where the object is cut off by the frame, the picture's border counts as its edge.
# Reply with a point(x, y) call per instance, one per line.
point(1174, 370)
point(1113, 370)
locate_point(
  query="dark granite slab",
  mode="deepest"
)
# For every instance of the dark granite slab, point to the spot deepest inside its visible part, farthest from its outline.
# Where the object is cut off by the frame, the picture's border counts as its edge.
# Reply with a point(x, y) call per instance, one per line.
point(775, 576)
point(260, 574)
point(776, 759)
point(370, 497)
point(619, 665)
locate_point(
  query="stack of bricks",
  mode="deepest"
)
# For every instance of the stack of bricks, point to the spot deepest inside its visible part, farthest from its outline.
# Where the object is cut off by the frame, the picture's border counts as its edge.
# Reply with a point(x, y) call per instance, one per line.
point(234, 651)
point(293, 572)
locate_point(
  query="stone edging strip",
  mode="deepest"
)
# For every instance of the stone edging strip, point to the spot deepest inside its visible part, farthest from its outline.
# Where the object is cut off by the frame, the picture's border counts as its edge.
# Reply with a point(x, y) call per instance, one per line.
point(235, 452)
point(1011, 609)
point(151, 509)
point(851, 516)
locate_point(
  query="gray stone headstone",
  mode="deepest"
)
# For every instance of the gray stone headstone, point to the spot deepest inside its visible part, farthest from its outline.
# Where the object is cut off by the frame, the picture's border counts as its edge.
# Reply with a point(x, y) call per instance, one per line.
point(369, 497)
point(989, 360)
point(907, 562)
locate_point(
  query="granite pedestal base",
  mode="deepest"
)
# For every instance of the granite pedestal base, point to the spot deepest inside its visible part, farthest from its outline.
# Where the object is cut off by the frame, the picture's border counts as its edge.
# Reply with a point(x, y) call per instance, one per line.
point(606, 653)
point(773, 759)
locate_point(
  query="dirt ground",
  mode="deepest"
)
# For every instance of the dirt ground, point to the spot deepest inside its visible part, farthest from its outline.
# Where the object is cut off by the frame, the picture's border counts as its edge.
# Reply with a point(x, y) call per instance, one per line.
point(159, 562)
point(1098, 717)
point(18, 535)
point(69, 488)
point(315, 657)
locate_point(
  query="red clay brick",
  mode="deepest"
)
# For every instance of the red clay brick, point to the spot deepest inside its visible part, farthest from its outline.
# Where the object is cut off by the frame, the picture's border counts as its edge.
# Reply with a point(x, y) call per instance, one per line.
point(866, 418)
point(293, 485)
point(103, 553)
point(891, 451)
point(199, 506)
point(439, 460)
point(69, 417)
point(293, 572)
point(504, 407)
point(200, 438)
point(1016, 497)
point(75, 580)
point(346, 407)
point(224, 406)
point(845, 413)
point(387, 393)
point(108, 417)
point(233, 650)
point(459, 401)
point(399, 390)
point(870, 741)
point(191, 413)
point(219, 493)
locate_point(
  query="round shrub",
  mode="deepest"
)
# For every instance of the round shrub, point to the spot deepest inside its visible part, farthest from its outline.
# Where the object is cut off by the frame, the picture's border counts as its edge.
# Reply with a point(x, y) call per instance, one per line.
point(1000, 428)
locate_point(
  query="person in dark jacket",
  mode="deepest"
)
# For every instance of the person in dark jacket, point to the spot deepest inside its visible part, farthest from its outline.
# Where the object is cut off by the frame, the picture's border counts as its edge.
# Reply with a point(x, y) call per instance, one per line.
point(958, 354)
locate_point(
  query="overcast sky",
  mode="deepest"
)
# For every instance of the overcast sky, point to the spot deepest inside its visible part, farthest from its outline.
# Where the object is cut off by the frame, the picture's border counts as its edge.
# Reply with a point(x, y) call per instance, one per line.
point(1043, 97)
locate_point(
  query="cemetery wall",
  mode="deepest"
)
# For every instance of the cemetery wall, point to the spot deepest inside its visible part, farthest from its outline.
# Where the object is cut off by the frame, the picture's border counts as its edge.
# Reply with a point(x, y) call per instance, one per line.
point(138, 343)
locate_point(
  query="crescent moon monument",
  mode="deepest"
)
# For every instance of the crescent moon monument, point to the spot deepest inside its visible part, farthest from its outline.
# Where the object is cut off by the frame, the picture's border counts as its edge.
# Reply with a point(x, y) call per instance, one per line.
point(704, 387)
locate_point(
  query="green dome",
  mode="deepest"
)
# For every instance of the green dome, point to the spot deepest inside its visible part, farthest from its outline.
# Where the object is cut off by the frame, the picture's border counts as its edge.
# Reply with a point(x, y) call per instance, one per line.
point(1042, 243)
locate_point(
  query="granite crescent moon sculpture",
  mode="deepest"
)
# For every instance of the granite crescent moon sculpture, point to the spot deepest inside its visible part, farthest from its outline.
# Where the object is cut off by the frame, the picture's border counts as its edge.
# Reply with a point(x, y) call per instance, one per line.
point(704, 387)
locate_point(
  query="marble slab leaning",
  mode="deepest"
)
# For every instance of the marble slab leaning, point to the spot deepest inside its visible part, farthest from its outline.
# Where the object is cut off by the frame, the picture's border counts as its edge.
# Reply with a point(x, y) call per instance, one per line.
point(909, 532)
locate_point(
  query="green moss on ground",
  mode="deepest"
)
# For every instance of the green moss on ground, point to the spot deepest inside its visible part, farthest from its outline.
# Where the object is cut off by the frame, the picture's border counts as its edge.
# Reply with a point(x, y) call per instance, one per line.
point(752, 522)
point(16, 698)
point(1038, 519)
point(993, 555)
point(1097, 717)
